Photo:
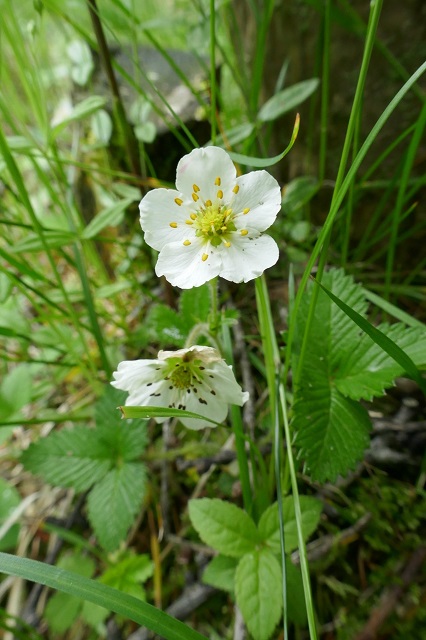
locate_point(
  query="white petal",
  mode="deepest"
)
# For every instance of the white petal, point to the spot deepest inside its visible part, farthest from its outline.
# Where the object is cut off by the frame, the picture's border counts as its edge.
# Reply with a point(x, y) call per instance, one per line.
point(247, 258)
point(202, 167)
point(158, 210)
point(206, 354)
point(132, 374)
point(260, 193)
point(224, 384)
point(215, 409)
point(183, 266)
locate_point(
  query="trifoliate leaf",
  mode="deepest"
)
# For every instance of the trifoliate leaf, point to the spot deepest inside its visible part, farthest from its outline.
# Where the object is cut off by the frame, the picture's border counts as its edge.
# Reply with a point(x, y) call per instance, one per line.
point(223, 526)
point(114, 502)
point(220, 573)
point(269, 525)
point(69, 458)
point(258, 591)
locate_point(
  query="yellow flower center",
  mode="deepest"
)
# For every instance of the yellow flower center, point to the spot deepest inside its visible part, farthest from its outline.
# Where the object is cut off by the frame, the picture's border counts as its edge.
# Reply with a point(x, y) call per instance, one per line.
point(214, 223)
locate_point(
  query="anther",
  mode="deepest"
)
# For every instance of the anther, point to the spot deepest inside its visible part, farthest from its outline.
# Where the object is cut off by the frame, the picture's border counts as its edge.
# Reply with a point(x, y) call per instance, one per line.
point(193, 216)
point(195, 188)
point(188, 222)
point(224, 228)
point(217, 181)
point(204, 257)
point(220, 194)
point(236, 189)
point(179, 201)
point(195, 197)
point(244, 232)
point(245, 211)
point(186, 243)
point(208, 203)
point(173, 225)
point(227, 244)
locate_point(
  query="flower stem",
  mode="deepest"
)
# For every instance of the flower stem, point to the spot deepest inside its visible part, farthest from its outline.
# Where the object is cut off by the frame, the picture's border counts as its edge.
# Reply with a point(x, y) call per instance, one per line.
point(214, 311)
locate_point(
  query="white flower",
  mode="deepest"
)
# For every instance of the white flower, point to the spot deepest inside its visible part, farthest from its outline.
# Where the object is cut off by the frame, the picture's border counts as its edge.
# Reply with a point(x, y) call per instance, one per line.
point(212, 224)
point(196, 379)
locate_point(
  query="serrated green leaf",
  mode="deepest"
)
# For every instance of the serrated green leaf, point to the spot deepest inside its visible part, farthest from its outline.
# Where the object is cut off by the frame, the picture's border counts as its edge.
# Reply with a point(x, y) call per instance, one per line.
point(194, 305)
point(69, 458)
point(167, 325)
point(220, 573)
point(223, 526)
point(128, 574)
point(366, 370)
point(114, 502)
point(258, 591)
point(287, 99)
point(269, 524)
point(109, 217)
point(332, 432)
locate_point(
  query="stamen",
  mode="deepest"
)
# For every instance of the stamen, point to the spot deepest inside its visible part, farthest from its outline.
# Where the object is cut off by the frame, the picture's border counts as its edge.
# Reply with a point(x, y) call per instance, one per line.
point(179, 201)
point(186, 243)
point(224, 228)
point(204, 257)
point(195, 197)
point(173, 225)
point(195, 188)
point(236, 189)
point(188, 222)
point(193, 216)
point(227, 244)
point(245, 211)
point(208, 203)
point(244, 232)
point(217, 181)
point(220, 194)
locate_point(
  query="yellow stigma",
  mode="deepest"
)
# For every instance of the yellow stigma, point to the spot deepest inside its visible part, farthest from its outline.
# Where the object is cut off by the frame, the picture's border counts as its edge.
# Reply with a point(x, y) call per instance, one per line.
point(173, 225)
point(245, 211)
point(178, 201)
point(220, 194)
point(195, 188)
point(208, 203)
point(244, 232)
point(204, 257)
point(195, 197)
point(217, 181)
point(236, 189)
point(186, 243)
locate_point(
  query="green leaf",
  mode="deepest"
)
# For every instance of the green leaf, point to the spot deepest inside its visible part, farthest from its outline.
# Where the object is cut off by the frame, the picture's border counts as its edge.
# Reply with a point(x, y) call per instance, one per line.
point(82, 110)
point(269, 524)
point(379, 338)
point(62, 608)
point(220, 573)
point(69, 458)
point(258, 591)
point(162, 412)
point(297, 193)
point(15, 391)
point(166, 325)
point(223, 526)
point(295, 594)
point(114, 502)
point(194, 305)
point(267, 162)
point(131, 608)
point(287, 100)
point(109, 217)
point(33, 242)
point(367, 370)
point(128, 574)
point(10, 500)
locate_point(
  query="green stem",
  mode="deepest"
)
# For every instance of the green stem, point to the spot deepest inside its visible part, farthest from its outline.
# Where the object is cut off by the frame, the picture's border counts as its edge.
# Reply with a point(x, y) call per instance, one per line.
point(213, 71)
point(376, 6)
point(214, 311)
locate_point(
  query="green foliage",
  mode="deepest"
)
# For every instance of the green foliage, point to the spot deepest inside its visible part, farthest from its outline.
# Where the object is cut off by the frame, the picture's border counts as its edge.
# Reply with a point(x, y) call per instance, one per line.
point(15, 391)
point(287, 100)
point(104, 460)
point(249, 562)
point(342, 366)
point(172, 327)
point(10, 500)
